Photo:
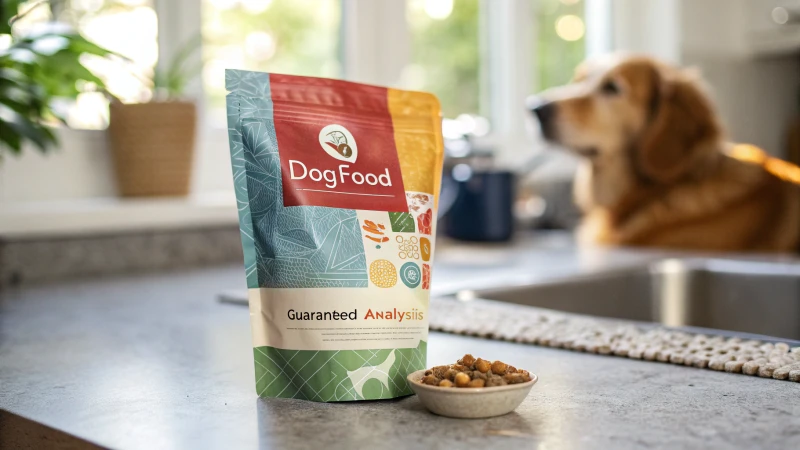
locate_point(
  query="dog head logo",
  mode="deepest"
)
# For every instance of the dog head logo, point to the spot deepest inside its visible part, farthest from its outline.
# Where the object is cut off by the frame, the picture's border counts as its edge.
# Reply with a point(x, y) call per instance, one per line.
point(337, 141)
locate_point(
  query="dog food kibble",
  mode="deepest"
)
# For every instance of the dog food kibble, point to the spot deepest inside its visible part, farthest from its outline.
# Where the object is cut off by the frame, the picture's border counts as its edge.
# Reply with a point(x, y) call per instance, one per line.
point(483, 365)
point(495, 380)
point(471, 372)
point(477, 383)
point(429, 379)
point(499, 367)
point(467, 360)
point(462, 379)
point(514, 378)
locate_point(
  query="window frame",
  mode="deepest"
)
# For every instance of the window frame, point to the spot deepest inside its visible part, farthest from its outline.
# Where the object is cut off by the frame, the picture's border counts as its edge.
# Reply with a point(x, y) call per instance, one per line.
point(376, 46)
point(180, 21)
point(507, 57)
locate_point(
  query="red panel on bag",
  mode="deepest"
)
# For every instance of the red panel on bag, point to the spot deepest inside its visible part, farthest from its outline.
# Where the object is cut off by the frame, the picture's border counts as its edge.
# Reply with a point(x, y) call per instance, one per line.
point(336, 145)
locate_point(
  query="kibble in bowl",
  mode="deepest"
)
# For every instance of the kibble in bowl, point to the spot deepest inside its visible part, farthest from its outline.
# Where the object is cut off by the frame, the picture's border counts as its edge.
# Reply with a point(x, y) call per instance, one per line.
point(472, 388)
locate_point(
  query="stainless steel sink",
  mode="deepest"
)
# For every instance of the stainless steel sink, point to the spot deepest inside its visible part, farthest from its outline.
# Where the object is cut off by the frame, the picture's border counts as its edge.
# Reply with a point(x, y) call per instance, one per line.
point(752, 297)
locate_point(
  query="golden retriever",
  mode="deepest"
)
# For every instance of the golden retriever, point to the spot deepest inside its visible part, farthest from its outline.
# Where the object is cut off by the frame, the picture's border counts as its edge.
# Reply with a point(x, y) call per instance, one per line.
point(655, 168)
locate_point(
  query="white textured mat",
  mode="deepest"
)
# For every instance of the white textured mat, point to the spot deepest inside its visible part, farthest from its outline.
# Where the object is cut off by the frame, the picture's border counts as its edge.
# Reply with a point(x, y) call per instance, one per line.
point(494, 320)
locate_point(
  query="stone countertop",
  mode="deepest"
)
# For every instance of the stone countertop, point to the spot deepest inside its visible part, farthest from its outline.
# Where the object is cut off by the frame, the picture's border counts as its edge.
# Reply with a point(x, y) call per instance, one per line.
point(155, 361)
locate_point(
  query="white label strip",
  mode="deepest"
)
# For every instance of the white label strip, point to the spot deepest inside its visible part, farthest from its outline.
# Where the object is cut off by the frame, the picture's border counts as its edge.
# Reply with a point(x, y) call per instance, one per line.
point(339, 318)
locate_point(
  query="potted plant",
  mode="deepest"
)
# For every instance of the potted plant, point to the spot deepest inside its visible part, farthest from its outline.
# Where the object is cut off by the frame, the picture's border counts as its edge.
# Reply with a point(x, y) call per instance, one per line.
point(38, 70)
point(153, 143)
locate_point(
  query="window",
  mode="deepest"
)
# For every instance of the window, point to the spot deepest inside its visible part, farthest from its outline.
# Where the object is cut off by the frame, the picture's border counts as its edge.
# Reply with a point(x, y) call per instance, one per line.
point(445, 53)
point(559, 41)
point(442, 46)
point(299, 37)
point(127, 27)
point(450, 53)
point(480, 57)
point(447, 47)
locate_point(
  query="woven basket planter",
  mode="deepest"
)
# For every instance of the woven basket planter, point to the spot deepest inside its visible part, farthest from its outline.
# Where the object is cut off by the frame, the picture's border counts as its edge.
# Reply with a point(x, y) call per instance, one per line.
point(153, 147)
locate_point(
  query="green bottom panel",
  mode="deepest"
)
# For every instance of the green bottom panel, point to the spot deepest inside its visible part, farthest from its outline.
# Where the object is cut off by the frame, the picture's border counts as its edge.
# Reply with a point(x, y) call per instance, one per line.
point(336, 375)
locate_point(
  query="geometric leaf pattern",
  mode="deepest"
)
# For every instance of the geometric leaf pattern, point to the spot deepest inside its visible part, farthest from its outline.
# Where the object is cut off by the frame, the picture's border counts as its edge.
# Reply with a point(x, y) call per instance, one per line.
point(285, 247)
point(402, 222)
point(335, 376)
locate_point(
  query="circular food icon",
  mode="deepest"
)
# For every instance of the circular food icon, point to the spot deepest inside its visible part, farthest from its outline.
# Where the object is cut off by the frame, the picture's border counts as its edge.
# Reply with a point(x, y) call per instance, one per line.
point(382, 273)
point(410, 274)
point(338, 142)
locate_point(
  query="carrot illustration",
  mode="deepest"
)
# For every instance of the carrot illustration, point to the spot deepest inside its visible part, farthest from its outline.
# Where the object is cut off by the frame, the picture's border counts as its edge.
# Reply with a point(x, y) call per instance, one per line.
point(372, 227)
point(378, 240)
point(371, 230)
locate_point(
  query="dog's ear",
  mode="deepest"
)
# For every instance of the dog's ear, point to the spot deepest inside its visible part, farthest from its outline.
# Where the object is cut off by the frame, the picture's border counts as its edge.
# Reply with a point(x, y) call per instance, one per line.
point(682, 127)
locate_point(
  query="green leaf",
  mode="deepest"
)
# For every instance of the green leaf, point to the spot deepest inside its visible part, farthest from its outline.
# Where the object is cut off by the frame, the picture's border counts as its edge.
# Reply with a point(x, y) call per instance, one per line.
point(81, 45)
point(22, 55)
point(75, 42)
point(10, 138)
point(37, 70)
point(17, 104)
point(29, 130)
point(10, 75)
point(49, 134)
point(8, 9)
point(402, 222)
point(59, 72)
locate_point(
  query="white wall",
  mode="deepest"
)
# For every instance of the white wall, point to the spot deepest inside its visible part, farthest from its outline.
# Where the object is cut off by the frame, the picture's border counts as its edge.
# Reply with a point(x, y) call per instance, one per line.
point(756, 94)
point(79, 168)
point(647, 26)
point(82, 168)
point(756, 99)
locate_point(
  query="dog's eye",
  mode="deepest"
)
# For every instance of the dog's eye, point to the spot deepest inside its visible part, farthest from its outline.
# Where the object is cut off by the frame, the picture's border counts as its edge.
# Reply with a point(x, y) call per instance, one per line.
point(609, 88)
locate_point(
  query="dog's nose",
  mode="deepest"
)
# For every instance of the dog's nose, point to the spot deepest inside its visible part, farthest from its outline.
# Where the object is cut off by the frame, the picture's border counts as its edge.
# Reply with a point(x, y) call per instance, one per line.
point(544, 112)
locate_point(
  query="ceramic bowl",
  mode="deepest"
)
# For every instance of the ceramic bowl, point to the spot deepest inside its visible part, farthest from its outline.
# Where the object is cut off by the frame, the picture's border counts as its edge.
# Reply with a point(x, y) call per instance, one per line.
point(470, 403)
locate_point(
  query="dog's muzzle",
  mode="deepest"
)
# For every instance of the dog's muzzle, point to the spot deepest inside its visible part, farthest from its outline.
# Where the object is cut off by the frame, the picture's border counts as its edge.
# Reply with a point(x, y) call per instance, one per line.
point(545, 112)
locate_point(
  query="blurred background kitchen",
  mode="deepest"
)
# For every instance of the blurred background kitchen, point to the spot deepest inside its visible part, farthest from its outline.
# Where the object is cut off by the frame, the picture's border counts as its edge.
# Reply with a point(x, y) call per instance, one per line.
point(85, 197)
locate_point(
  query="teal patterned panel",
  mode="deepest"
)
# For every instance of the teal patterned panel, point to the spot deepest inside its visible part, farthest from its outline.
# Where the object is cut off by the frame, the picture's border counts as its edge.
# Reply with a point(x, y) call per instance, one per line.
point(285, 247)
point(247, 83)
point(233, 81)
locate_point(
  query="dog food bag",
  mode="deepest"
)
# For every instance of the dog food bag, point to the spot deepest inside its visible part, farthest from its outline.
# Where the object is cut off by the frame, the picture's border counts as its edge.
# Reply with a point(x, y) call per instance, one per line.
point(337, 186)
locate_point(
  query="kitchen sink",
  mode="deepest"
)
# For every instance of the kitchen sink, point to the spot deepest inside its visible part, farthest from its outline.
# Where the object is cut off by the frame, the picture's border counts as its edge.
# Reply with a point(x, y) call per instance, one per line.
point(752, 297)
